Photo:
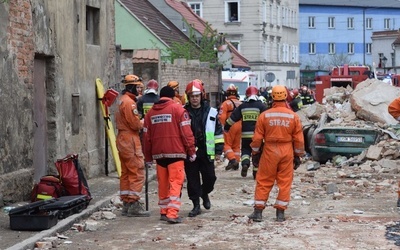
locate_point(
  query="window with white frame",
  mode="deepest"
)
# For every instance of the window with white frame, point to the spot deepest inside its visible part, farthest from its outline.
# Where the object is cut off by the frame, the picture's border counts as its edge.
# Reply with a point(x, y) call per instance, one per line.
point(350, 23)
point(331, 22)
point(332, 48)
point(386, 23)
point(232, 11)
point(368, 23)
point(197, 8)
point(311, 48)
point(236, 44)
point(311, 22)
point(350, 48)
point(368, 48)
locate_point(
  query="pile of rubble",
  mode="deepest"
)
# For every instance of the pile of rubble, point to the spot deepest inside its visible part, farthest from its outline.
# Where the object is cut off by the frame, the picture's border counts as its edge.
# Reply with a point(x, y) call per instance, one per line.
point(364, 107)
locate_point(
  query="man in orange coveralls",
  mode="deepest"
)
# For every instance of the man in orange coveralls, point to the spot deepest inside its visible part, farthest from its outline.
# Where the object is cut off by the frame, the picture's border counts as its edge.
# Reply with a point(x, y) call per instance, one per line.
point(394, 110)
point(168, 139)
point(281, 130)
point(233, 136)
point(130, 149)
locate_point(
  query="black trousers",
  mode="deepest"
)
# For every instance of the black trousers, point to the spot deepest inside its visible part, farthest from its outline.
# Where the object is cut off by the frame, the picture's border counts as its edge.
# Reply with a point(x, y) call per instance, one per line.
point(200, 176)
point(246, 151)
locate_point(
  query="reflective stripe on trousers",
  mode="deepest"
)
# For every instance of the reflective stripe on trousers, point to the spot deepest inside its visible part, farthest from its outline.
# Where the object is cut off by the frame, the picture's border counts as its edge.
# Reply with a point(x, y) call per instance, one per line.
point(170, 182)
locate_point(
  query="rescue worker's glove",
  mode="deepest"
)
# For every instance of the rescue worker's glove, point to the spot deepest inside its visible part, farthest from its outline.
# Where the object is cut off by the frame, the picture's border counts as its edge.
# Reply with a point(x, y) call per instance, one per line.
point(296, 162)
point(255, 158)
point(226, 128)
point(192, 158)
point(148, 164)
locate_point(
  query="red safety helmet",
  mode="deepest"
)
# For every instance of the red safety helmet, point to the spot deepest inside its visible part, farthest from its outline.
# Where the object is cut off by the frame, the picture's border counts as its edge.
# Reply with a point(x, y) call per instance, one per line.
point(194, 88)
point(295, 92)
point(152, 84)
point(251, 90)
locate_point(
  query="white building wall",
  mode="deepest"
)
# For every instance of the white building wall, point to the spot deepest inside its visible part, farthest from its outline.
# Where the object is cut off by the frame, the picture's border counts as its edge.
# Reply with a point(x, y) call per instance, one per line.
point(264, 28)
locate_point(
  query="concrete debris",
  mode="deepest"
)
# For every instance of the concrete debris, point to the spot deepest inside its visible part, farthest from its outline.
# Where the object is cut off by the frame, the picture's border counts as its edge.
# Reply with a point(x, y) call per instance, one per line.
point(44, 244)
point(355, 211)
point(103, 215)
point(312, 165)
point(91, 225)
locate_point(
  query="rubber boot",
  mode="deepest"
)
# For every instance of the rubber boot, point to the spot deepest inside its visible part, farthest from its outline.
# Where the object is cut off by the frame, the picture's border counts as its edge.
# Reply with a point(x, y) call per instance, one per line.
point(245, 167)
point(256, 215)
point(398, 202)
point(232, 164)
point(125, 207)
point(196, 208)
point(206, 202)
point(280, 215)
point(136, 210)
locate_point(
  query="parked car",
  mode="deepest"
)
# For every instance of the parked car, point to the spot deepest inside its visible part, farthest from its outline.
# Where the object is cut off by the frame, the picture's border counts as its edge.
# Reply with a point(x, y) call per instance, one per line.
point(324, 142)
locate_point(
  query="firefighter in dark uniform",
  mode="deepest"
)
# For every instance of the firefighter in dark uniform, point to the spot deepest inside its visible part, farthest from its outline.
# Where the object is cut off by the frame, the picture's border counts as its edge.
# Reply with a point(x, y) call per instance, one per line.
point(305, 96)
point(146, 101)
point(248, 112)
point(209, 142)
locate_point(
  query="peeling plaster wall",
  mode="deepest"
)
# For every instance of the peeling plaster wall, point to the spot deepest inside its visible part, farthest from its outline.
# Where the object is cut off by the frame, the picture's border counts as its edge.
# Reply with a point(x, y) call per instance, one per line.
point(53, 31)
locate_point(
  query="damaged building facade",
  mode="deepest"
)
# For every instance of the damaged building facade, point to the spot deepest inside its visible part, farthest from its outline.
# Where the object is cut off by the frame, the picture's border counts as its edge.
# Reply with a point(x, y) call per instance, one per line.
point(51, 54)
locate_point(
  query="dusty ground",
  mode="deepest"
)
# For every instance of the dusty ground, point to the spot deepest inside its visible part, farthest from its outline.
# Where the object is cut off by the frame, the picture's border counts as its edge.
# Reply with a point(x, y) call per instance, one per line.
point(361, 214)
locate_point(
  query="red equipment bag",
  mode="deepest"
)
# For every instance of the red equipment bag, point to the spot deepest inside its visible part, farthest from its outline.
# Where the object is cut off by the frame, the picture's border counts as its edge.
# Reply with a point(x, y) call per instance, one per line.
point(49, 186)
point(72, 177)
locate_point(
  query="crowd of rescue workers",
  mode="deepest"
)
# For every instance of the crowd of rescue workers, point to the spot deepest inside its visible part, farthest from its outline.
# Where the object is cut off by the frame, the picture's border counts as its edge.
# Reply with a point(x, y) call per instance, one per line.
point(184, 136)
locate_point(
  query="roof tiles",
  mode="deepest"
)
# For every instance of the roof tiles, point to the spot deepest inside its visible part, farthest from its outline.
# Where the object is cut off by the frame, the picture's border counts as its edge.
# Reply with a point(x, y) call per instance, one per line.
point(155, 21)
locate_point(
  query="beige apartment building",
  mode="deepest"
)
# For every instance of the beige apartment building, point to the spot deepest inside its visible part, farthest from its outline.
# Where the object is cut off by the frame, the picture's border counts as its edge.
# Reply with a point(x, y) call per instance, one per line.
point(266, 32)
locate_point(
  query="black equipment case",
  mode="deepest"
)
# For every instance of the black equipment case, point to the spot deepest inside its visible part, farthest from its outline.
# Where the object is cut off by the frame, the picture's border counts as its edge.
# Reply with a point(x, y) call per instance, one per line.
point(68, 205)
point(44, 214)
point(31, 217)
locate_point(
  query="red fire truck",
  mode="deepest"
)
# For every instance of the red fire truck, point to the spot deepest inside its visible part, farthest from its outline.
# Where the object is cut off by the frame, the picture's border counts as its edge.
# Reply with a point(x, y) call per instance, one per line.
point(341, 76)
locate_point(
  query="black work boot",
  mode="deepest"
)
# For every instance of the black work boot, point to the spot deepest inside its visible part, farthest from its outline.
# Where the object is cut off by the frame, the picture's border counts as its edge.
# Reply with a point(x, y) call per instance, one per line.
point(125, 208)
point(254, 174)
point(280, 215)
point(256, 215)
point(196, 208)
point(206, 201)
point(232, 164)
point(136, 209)
point(398, 202)
point(174, 220)
point(245, 167)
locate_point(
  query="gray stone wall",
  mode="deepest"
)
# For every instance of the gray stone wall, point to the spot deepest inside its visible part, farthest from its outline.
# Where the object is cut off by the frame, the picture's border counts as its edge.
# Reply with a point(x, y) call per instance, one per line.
point(184, 72)
point(54, 32)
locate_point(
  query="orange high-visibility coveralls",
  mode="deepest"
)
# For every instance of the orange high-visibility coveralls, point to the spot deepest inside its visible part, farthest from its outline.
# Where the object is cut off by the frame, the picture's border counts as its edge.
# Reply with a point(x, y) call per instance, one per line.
point(232, 138)
point(129, 149)
point(394, 110)
point(168, 139)
point(281, 130)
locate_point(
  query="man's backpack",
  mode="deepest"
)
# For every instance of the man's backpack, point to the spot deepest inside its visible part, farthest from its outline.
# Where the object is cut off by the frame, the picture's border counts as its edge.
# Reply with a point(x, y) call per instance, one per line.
point(71, 175)
point(49, 186)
